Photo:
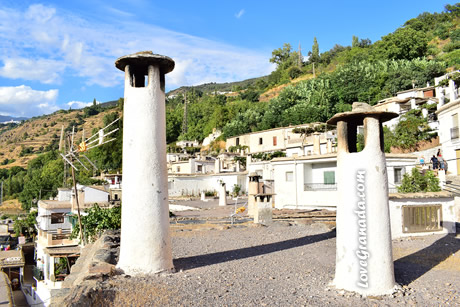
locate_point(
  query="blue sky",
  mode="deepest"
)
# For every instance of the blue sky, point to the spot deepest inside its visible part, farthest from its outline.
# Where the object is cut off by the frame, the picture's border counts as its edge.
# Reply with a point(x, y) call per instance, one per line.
point(60, 54)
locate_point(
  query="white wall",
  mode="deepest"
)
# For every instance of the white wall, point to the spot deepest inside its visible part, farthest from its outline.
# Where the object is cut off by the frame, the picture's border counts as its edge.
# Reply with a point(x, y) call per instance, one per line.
point(64, 194)
point(445, 116)
point(291, 194)
point(448, 214)
point(311, 170)
point(44, 219)
point(194, 185)
point(95, 195)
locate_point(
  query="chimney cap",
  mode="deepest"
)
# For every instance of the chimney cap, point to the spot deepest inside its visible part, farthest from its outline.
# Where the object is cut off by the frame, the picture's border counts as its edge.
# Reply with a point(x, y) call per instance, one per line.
point(360, 110)
point(144, 59)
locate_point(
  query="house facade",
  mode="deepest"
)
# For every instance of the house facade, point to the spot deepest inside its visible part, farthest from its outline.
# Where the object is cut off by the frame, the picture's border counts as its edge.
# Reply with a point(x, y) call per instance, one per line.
point(193, 166)
point(194, 184)
point(449, 134)
point(277, 139)
point(405, 101)
point(310, 181)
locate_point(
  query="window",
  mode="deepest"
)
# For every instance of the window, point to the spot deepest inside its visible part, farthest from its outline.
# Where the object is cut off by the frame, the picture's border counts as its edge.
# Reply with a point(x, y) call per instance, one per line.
point(329, 177)
point(260, 141)
point(289, 176)
point(199, 168)
point(178, 169)
point(422, 218)
point(237, 141)
point(274, 141)
point(398, 174)
point(57, 218)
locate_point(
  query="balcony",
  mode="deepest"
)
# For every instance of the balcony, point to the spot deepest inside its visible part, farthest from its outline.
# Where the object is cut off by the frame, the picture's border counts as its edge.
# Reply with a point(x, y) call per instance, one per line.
point(320, 187)
point(454, 133)
point(53, 238)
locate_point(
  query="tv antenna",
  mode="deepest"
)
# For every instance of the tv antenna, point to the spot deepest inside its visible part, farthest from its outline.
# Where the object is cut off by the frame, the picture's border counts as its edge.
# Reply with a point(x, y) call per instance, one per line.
point(75, 153)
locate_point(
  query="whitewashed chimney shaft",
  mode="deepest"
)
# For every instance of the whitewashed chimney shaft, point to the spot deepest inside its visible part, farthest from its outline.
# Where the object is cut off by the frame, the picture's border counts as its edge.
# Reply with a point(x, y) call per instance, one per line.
point(364, 258)
point(145, 245)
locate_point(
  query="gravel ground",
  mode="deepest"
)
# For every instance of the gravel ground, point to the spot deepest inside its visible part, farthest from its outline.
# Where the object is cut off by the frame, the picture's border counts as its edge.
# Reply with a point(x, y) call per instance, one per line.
point(283, 264)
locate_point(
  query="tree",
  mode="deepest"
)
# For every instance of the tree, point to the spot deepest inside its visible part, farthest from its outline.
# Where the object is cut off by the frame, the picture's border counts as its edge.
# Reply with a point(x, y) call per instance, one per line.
point(416, 182)
point(411, 129)
point(314, 57)
point(281, 55)
point(98, 220)
point(26, 225)
point(355, 42)
point(404, 43)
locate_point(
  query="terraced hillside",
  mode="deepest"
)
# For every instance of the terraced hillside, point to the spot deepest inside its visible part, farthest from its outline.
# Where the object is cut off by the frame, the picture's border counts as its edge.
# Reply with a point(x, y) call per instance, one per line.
point(24, 142)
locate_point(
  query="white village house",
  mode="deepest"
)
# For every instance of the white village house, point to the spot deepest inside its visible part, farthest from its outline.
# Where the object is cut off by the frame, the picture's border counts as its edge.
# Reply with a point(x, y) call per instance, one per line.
point(54, 226)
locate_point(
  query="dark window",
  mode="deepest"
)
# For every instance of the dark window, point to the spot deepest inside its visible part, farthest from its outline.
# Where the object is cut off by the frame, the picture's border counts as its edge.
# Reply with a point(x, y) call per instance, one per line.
point(398, 175)
point(57, 218)
point(237, 141)
point(260, 141)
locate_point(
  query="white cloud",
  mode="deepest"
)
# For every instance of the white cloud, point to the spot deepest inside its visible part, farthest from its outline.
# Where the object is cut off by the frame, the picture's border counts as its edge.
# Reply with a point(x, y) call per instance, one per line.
point(239, 14)
point(80, 104)
point(24, 101)
point(46, 44)
point(43, 70)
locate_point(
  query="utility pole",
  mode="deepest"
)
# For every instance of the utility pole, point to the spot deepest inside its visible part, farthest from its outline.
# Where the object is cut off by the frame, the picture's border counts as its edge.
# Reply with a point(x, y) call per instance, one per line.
point(76, 192)
point(300, 56)
point(184, 122)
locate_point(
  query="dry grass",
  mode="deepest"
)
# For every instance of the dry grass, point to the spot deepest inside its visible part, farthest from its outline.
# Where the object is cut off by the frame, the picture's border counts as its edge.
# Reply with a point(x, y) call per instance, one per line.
point(38, 133)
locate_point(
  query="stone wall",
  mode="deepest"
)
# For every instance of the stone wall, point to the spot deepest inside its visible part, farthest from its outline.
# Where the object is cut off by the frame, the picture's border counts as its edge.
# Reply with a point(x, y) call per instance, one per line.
point(96, 264)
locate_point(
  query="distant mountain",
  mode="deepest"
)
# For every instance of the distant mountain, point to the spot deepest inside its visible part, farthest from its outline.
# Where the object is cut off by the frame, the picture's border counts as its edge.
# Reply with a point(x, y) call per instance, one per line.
point(219, 87)
point(4, 118)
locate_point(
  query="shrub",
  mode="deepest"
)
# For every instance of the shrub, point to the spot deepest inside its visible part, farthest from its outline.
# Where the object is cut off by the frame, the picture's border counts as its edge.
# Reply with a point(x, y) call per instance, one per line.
point(417, 182)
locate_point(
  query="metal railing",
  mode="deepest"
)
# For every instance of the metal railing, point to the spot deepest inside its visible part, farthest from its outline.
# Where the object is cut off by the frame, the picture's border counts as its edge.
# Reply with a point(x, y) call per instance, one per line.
point(454, 133)
point(320, 187)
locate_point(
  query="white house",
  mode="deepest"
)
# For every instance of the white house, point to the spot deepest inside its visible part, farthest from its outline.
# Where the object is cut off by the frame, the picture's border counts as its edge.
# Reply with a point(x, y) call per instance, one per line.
point(194, 184)
point(449, 139)
point(447, 93)
point(276, 139)
point(193, 166)
point(184, 144)
point(53, 242)
point(309, 181)
point(409, 100)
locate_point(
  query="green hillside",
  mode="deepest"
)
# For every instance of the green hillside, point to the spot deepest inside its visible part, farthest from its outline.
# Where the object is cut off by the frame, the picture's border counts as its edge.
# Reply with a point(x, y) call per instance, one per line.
point(425, 47)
